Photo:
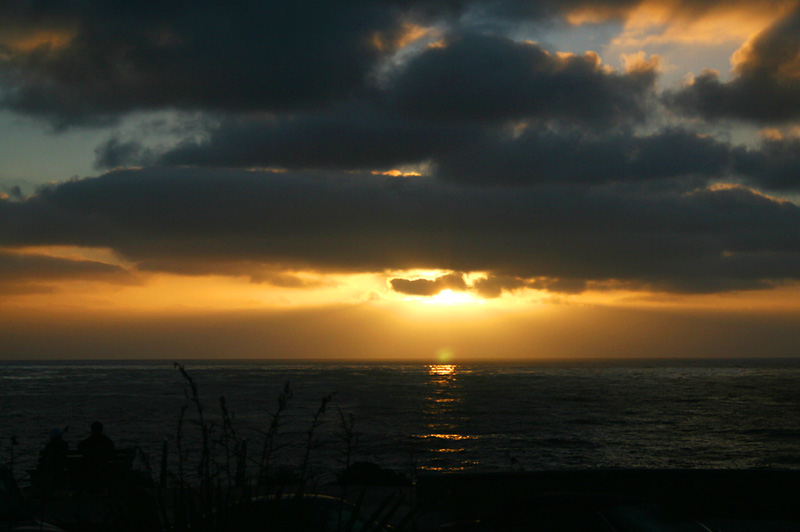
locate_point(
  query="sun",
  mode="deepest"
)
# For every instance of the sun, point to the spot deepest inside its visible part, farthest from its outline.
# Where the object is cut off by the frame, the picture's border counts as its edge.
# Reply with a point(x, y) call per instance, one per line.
point(448, 297)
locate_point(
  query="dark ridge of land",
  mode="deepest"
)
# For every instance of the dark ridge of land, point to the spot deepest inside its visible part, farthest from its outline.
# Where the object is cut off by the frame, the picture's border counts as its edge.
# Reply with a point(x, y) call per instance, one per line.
point(723, 499)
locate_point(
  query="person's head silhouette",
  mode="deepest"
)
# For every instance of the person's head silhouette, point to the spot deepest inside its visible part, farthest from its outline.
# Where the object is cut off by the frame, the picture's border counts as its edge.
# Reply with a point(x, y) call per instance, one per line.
point(97, 427)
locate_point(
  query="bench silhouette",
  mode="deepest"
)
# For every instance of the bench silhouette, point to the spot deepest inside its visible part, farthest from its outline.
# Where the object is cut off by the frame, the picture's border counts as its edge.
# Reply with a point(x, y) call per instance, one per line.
point(79, 472)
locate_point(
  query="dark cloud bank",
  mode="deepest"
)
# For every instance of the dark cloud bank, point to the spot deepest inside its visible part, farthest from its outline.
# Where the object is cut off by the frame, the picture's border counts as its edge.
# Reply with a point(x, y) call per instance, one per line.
point(538, 170)
point(704, 240)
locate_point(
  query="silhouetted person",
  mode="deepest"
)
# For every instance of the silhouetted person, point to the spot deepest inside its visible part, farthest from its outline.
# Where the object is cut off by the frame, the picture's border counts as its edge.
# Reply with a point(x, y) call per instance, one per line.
point(97, 451)
point(52, 461)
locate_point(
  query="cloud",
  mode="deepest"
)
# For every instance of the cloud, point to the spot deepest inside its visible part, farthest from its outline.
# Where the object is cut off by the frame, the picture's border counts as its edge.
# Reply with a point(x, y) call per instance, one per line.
point(115, 153)
point(492, 286)
point(428, 287)
point(87, 64)
point(489, 79)
point(257, 272)
point(441, 103)
point(354, 136)
point(362, 138)
point(158, 55)
point(545, 169)
point(775, 165)
point(12, 192)
point(542, 156)
point(562, 286)
point(25, 289)
point(709, 239)
point(18, 266)
point(691, 23)
point(488, 287)
point(766, 83)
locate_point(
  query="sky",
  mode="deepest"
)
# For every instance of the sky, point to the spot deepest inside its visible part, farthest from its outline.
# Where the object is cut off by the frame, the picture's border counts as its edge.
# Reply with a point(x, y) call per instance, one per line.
point(399, 179)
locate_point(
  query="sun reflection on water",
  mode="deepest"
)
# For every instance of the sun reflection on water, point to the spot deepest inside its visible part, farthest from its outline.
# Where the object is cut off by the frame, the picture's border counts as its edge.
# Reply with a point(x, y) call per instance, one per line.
point(444, 435)
point(442, 369)
point(449, 436)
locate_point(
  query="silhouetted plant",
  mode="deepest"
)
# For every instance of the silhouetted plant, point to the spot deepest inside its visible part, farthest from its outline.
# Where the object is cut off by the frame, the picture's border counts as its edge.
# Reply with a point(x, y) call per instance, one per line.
point(269, 446)
point(222, 489)
point(11, 449)
point(348, 436)
point(316, 422)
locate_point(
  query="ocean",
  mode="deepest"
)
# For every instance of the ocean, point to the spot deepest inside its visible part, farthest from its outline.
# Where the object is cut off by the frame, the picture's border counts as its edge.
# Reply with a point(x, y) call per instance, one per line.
point(417, 417)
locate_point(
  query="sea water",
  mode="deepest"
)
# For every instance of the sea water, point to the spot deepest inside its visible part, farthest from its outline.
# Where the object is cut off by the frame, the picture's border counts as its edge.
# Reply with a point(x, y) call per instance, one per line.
point(414, 417)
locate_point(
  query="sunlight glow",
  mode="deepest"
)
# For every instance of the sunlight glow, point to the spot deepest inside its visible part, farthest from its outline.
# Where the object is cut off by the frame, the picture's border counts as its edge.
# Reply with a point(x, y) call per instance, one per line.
point(448, 297)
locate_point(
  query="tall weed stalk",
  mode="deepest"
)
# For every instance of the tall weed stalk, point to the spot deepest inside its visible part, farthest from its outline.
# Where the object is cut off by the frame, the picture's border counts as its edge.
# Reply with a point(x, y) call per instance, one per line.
point(269, 447)
point(211, 499)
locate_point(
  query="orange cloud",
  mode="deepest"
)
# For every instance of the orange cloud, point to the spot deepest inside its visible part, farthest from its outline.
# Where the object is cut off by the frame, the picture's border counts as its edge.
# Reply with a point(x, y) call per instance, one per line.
point(397, 40)
point(774, 133)
point(669, 21)
point(639, 62)
point(784, 64)
point(665, 22)
point(397, 173)
point(716, 187)
point(105, 255)
point(27, 41)
point(594, 14)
